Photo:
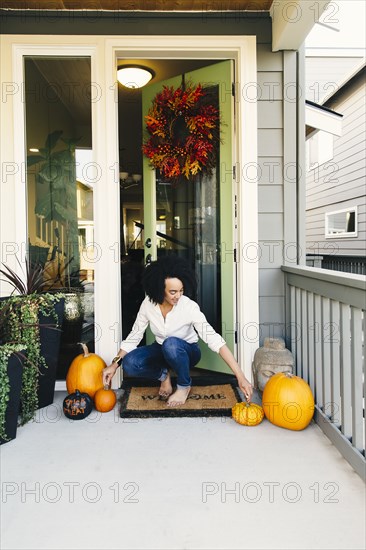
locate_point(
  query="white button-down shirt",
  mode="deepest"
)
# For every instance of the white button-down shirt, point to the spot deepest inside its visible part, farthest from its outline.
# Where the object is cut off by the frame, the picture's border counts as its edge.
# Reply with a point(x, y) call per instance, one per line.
point(184, 319)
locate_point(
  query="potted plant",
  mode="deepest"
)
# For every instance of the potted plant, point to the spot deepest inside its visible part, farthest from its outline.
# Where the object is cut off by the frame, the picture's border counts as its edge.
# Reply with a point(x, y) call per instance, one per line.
point(11, 368)
point(32, 318)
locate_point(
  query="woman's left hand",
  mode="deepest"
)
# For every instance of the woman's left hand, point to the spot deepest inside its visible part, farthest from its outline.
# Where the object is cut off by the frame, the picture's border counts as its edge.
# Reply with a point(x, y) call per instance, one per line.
point(246, 387)
point(244, 384)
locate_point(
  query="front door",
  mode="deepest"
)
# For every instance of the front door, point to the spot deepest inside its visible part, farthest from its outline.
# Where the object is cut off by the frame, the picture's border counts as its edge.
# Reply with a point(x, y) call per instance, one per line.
point(195, 219)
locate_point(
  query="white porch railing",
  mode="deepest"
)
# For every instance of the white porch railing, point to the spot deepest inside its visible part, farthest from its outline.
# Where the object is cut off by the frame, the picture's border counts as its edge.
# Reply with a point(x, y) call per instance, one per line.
point(326, 321)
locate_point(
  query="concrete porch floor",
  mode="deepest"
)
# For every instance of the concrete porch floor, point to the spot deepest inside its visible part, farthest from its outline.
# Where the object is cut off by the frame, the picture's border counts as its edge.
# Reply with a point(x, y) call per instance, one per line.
point(179, 483)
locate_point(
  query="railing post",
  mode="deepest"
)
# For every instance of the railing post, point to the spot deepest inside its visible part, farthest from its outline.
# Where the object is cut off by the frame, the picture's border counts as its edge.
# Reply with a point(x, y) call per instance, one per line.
point(326, 336)
point(318, 351)
point(346, 425)
point(336, 365)
point(304, 335)
point(291, 322)
point(357, 378)
point(311, 346)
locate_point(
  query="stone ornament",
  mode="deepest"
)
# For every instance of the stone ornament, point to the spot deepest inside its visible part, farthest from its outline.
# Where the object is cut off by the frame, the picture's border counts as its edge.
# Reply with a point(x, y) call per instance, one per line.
point(271, 358)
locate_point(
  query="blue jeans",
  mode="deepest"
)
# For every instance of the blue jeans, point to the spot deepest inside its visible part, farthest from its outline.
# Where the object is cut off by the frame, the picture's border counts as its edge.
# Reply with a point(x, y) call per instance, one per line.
point(154, 361)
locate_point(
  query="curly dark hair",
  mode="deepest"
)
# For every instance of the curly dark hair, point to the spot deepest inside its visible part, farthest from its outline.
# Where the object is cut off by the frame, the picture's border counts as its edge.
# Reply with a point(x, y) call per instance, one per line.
point(168, 267)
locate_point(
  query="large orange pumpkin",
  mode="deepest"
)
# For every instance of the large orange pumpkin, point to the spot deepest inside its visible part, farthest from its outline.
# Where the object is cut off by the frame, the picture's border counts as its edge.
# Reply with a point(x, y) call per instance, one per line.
point(248, 414)
point(85, 373)
point(288, 401)
point(104, 399)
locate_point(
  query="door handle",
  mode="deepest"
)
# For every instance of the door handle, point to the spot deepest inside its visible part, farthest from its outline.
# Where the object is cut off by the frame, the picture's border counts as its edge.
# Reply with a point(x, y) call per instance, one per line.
point(148, 259)
point(148, 243)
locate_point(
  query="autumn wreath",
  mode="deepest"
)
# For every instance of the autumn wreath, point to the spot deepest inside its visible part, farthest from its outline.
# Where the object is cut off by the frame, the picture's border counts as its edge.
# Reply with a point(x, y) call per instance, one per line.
point(183, 130)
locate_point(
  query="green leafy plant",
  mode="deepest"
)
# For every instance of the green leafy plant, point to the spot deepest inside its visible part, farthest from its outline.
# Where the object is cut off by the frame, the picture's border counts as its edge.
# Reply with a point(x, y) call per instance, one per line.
point(19, 323)
point(22, 326)
point(6, 350)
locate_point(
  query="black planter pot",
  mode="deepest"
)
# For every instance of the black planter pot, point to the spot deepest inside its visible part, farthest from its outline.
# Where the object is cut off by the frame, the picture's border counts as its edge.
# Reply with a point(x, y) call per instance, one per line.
point(15, 370)
point(50, 348)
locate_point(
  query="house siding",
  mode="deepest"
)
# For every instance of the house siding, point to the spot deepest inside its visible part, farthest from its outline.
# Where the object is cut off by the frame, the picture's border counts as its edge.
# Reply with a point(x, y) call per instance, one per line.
point(324, 73)
point(270, 191)
point(340, 183)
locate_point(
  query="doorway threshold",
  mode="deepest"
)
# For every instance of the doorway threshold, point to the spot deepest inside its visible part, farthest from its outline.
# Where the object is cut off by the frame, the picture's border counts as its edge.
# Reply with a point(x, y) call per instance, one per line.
point(200, 377)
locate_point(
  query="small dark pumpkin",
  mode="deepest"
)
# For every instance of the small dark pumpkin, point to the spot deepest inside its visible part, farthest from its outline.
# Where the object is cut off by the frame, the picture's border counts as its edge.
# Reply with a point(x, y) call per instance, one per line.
point(77, 405)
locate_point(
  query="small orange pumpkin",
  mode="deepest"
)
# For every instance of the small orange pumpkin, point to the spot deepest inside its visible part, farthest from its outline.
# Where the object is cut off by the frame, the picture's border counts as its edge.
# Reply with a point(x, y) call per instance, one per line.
point(104, 399)
point(288, 401)
point(247, 414)
point(85, 373)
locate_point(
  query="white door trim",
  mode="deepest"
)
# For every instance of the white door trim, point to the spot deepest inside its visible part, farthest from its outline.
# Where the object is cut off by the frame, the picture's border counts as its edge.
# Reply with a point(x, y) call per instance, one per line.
point(243, 50)
point(104, 52)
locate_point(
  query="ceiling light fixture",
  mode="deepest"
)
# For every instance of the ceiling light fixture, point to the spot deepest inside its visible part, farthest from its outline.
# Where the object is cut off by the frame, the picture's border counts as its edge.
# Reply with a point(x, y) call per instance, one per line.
point(134, 76)
point(129, 180)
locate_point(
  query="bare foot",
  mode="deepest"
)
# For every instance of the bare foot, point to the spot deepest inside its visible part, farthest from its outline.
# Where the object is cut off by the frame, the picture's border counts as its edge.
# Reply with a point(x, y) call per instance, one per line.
point(166, 388)
point(179, 397)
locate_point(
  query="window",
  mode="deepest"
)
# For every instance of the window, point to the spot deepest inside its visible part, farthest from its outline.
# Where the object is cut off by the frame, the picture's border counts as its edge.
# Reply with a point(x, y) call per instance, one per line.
point(60, 176)
point(320, 149)
point(341, 223)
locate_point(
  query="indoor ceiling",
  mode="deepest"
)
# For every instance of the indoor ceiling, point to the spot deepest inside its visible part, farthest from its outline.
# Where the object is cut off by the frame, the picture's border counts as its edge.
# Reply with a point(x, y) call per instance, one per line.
point(139, 5)
point(70, 79)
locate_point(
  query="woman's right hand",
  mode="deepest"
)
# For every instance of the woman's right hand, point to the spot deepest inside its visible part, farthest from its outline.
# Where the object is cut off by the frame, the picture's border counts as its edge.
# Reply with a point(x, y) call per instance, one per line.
point(108, 373)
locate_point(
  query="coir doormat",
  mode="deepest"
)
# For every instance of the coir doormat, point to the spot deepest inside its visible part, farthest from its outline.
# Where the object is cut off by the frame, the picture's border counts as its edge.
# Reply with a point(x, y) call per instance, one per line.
point(210, 400)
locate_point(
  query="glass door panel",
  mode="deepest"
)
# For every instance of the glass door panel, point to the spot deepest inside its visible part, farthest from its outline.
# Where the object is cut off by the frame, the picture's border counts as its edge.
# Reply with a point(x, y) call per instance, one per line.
point(188, 225)
point(196, 219)
point(131, 204)
point(60, 180)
